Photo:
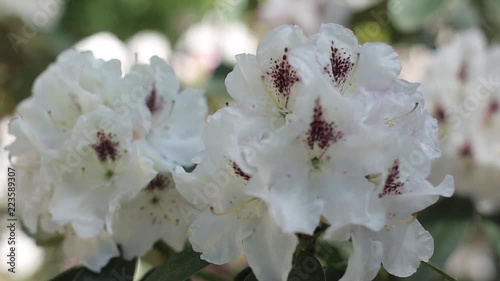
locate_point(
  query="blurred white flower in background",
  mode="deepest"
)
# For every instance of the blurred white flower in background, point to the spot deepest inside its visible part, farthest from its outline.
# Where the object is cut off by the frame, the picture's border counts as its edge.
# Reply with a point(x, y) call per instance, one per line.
point(473, 260)
point(309, 14)
point(106, 46)
point(138, 49)
point(415, 60)
point(146, 44)
point(462, 90)
point(207, 44)
point(199, 51)
point(29, 256)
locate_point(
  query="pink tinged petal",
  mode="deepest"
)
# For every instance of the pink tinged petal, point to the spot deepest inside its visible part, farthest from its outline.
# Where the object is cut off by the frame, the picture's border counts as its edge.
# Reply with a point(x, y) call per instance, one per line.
point(378, 66)
point(364, 263)
point(244, 84)
point(338, 51)
point(93, 253)
point(269, 251)
point(405, 246)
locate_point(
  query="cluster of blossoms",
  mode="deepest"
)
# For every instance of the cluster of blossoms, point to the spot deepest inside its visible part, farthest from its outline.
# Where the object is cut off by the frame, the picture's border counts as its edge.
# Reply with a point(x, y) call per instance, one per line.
point(467, 109)
point(321, 131)
point(94, 151)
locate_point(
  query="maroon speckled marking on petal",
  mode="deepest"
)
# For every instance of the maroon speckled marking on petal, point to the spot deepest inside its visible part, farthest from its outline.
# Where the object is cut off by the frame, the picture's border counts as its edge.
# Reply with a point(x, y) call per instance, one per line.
point(153, 101)
point(159, 182)
point(393, 183)
point(321, 132)
point(466, 150)
point(463, 72)
point(439, 114)
point(283, 77)
point(340, 65)
point(239, 172)
point(106, 148)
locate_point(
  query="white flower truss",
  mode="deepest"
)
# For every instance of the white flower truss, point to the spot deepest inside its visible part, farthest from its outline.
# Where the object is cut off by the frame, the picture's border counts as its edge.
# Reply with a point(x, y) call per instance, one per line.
point(95, 149)
point(322, 130)
point(467, 109)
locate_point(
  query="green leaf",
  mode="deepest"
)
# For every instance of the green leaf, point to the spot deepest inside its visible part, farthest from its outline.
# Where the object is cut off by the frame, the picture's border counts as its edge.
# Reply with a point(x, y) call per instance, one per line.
point(117, 269)
point(180, 267)
point(251, 277)
point(412, 15)
point(243, 274)
point(306, 267)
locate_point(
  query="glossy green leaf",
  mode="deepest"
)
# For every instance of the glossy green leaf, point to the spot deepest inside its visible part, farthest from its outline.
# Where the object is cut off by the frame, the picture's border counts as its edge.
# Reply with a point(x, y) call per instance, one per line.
point(306, 267)
point(180, 267)
point(117, 269)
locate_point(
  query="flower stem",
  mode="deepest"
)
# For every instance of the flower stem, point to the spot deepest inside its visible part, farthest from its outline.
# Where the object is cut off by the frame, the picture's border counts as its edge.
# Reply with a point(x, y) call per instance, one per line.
point(445, 275)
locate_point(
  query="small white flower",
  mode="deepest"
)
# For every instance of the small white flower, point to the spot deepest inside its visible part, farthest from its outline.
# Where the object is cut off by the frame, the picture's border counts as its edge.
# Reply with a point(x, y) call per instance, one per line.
point(158, 212)
point(177, 117)
point(99, 167)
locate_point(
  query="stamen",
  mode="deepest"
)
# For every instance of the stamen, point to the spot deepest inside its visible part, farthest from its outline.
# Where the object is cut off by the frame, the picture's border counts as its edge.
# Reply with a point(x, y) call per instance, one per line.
point(405, 221)
point(374, 178)
point(235, 209)
point(391, 122)
point(56, 122)
point(171, 110)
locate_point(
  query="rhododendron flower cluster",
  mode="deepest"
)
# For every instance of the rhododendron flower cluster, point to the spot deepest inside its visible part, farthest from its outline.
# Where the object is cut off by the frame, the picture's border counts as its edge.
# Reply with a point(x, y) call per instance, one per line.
point(321, 136)
point(94, 152)
point(467, 109)
point(321, 131)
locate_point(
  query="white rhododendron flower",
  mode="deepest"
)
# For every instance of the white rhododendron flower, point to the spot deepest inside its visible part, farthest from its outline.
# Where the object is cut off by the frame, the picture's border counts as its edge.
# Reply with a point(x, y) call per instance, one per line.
point(467, 109)
point(322, 130)
point(92, 146)
point(233, 221)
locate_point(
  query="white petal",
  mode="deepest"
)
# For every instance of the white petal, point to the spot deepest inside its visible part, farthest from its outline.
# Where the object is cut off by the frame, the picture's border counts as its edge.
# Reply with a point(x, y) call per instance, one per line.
point(218, 237)
point(93, 253)
point(364, 263)
point(269, 251)
point(405, 246)
point(378, 66)
point(244, 84)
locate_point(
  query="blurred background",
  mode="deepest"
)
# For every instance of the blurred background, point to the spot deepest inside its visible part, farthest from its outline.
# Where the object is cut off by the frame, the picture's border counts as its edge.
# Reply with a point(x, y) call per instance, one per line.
point(200, 38)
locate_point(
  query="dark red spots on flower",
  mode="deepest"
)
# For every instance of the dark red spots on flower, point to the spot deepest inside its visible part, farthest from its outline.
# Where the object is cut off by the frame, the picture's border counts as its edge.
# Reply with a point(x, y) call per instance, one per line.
point(283, 77)
point(463, 72)
point(153, 101)
point(393, 184)
point(465, 150)
point(439, 114)
point(106, 147)
point(493, 107)
point(239, 172)
point(322, 133)
point(159, 182)
point(340, 66)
